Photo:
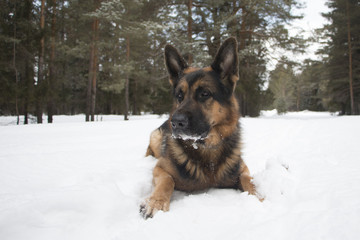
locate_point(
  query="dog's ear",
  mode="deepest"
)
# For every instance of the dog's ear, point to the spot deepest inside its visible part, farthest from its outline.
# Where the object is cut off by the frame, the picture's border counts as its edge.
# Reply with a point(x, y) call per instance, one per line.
point(226, 63)
point(175, 64)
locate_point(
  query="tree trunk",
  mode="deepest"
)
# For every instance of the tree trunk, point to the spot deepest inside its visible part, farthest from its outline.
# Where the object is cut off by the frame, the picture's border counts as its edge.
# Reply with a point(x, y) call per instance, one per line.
point(39, 85)
point(213, 37)
point(135, 108)
point(29, 65)
point(91, 91)
point(15, 70)
point(215, 40)
point(95, 68)
point(88, 98)
point(350, 58)
point(127, 80)
point(298, 95)
point(242, 33)
point(189, 31)
point(29, 83)
point(51, 86)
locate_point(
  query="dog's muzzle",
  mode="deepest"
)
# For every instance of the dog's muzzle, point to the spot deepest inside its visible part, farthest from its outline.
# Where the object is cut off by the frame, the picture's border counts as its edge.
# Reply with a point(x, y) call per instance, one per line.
point(183, 129)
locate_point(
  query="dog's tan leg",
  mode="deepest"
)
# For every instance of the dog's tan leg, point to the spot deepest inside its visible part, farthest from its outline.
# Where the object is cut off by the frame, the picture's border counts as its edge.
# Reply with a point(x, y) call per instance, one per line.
point(155, 144)
point(160, 197)
point(246, 180)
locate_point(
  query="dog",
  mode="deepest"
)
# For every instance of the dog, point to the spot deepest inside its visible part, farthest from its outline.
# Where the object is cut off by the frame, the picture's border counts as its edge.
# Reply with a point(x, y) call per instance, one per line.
point(199, 146)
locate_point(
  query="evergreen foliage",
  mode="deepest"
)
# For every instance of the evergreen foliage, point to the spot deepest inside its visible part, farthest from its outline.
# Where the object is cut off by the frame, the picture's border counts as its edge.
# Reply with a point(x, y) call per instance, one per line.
point(343, 50)
point(130, 76)
point(281, 84)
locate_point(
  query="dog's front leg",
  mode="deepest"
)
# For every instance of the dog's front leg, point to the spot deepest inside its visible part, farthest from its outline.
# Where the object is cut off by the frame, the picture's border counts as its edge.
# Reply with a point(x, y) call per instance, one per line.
point(246, 180)
point(160, 197)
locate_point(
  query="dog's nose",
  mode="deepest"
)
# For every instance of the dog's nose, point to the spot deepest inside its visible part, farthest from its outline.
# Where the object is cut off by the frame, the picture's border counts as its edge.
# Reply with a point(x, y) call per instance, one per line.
point(179, 121)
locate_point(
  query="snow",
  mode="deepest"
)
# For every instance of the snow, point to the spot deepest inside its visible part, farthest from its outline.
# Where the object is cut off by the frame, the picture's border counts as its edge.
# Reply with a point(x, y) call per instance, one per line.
point(77, 180)
point(194, 139)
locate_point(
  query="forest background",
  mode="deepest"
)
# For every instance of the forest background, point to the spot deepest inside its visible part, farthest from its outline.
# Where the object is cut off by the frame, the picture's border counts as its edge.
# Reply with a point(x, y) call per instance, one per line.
point(106, 56)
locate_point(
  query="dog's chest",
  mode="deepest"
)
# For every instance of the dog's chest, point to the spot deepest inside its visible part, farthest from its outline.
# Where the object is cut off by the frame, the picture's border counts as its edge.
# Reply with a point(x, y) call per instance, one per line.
point(198, 169)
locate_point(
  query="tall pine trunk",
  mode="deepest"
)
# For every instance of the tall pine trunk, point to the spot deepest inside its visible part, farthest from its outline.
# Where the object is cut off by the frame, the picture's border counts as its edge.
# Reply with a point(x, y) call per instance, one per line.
point(95, 67)
point(29, 84)
point(189, 31)
point(51, 85)
point(91, 91)
point(88, 99)
point(350, 58)
point(15, 70)
point(127, 80)
point(39, 86)
point(237, 27)
point(134, 105)
point(29, 64)
point(92, 73)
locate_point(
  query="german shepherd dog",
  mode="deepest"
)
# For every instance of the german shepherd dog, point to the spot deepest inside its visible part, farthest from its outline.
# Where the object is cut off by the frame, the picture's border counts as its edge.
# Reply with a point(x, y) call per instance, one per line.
point(199, 146)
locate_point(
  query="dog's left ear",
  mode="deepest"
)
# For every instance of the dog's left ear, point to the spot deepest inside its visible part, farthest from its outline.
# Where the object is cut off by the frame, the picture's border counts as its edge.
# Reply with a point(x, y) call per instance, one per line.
point(226, 63)
point(175, 64)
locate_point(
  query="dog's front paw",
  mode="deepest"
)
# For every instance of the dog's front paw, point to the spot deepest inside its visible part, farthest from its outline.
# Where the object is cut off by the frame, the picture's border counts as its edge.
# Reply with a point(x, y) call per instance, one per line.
point(151, 205)
point(249, 186)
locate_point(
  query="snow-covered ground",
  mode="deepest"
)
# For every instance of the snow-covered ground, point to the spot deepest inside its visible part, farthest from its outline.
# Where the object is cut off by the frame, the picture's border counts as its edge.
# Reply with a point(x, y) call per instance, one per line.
point(77, 180)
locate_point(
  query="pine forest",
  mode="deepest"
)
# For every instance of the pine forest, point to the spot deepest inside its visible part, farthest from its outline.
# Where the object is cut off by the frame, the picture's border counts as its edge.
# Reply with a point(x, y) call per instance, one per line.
point(106, 56)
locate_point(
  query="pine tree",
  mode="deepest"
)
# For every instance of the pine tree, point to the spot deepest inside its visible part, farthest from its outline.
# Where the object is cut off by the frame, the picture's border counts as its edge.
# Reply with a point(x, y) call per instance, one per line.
point(253, 24)
point(120, 57)
point(342, 48)
point(73, 54)
point(281, 84)
point(310, 86)
point(9, 70)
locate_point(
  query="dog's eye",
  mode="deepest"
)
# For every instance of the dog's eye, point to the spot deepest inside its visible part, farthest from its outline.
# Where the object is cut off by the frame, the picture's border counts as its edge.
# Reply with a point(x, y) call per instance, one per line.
point(180, 96)
point(205, 94)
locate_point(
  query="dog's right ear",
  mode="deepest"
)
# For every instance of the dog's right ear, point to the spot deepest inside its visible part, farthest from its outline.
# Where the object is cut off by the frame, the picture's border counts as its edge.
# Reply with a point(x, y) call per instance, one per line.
point(175, 64)
point(226, 63)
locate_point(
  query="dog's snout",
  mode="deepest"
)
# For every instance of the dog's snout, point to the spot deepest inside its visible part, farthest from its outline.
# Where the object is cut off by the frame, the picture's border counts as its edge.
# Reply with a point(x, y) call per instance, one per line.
point(179, 121)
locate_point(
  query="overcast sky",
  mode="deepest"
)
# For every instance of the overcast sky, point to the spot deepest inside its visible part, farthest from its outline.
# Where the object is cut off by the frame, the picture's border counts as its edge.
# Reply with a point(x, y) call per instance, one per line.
point(312, 20)
point(312, 14)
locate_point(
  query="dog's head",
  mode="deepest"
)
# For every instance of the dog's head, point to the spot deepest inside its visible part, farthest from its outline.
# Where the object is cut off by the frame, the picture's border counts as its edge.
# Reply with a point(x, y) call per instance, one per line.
point(204, 105)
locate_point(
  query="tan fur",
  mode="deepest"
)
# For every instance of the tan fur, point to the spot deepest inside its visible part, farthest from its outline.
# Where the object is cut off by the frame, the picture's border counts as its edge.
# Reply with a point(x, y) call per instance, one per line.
point(190, 69)
point(155, 142)
point(246, 180)
point(183, 85)
point(224, 122)
point(207, 69)
point(163, 189)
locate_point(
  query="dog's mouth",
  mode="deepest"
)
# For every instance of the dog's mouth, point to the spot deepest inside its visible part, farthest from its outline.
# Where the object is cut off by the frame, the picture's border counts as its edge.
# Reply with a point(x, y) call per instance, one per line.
point(196, 138)
point(193, 140)
point(186, 137)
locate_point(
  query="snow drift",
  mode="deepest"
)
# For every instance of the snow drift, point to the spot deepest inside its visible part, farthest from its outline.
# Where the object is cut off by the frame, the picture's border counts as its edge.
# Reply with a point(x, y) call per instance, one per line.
point(76, 180)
